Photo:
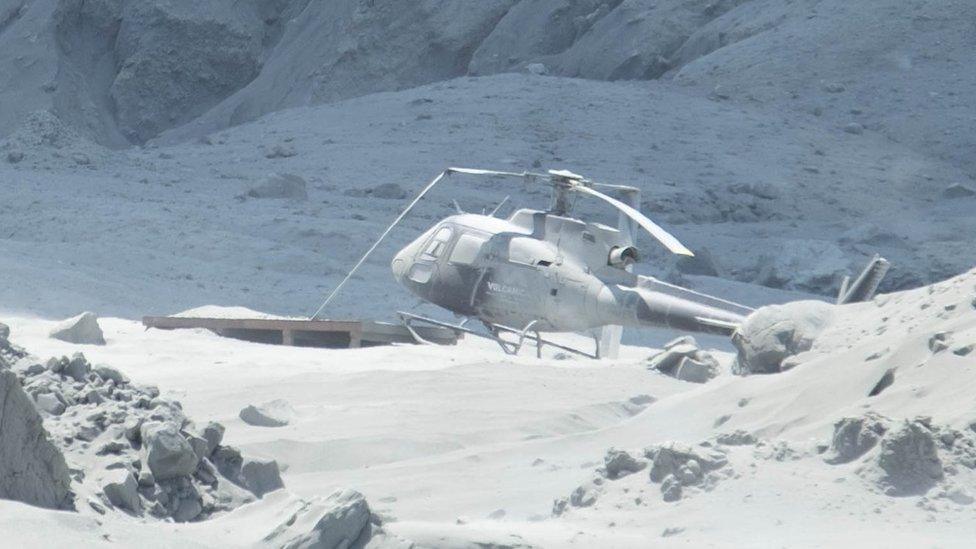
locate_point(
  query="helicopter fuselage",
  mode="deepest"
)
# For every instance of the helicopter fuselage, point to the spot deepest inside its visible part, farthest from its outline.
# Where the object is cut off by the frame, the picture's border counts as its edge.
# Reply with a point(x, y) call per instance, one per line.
point(558, 273)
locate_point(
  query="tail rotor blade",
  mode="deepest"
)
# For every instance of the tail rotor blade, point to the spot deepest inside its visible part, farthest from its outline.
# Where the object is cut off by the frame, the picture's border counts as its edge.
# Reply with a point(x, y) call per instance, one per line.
point(664, 237)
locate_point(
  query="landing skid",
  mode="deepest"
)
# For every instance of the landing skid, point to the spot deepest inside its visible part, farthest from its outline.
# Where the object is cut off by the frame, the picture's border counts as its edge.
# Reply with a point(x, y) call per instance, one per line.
point(494, 334)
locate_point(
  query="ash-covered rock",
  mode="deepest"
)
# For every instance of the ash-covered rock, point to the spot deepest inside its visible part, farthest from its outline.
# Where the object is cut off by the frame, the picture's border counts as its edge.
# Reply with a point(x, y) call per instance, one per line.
point(340, 520)
point(772, 334)
point(32, 468)
point(281, 186)
point(82, 329)
point(619, 463)
point(855, 436)
point(907, 458)
point(274, 413)
point(677, 466)
point(142, 455)
point(682, 359)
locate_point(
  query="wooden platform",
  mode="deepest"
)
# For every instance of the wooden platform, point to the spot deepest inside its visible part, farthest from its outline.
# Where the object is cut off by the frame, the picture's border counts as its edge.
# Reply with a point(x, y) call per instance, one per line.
point(307, 333)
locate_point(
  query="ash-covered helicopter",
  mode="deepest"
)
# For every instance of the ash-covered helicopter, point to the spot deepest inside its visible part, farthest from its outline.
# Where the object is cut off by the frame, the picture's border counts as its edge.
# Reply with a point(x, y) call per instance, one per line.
point(545, 271)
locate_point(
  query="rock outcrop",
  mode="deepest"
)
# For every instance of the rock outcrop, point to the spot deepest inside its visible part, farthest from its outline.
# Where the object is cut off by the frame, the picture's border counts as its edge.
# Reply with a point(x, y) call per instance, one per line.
point(339, 520)
point(32, 468)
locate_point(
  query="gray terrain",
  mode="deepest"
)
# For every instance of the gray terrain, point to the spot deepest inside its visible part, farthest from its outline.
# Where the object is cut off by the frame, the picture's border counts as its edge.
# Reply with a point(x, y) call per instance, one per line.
point(786, 141)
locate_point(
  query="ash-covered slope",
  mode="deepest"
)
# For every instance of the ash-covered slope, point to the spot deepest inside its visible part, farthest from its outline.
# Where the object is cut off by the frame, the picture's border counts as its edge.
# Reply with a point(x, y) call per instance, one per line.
point(170, 228)
point(126, 71)
point(875, 421)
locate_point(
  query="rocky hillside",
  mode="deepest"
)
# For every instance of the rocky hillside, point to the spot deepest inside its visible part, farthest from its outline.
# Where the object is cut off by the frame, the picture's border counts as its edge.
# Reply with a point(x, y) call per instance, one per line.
point(127, 71)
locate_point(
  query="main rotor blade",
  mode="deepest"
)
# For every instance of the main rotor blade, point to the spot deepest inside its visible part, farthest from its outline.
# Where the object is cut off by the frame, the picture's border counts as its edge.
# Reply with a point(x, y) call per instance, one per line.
point(380, 239)
point(664, 237)
point(472, 171)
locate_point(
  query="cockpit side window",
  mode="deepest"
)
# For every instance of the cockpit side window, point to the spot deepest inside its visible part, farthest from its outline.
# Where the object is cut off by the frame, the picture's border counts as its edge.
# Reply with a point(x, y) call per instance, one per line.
point(435, 248)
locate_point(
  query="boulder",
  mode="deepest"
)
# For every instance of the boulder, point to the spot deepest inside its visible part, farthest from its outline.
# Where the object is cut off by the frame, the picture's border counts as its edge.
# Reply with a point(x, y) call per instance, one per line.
point(619, 463)
point(855, 436)
point(696, 371)
point(276, 413)
point(682, 359)
point(261, 476)
point(909, 459)
point(109, 373)
point(213, 433)
point(774, 333)
point(189, 509)
point(683, 462)
point(228, 461)
point(82, 329)
point(166, 451)
point(199, 445)
point(32, 468)
point(336, 521)
point(122, 490)
point(281, 186)
point(49, 403)
point(77, 368)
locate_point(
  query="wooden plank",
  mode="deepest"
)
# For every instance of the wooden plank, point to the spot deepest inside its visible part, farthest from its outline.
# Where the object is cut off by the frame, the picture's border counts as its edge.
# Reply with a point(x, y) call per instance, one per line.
point(358, 332)
point(174, 322)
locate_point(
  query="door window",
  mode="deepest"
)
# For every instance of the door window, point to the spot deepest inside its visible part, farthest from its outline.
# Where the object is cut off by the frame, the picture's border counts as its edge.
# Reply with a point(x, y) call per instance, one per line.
point(466, 250)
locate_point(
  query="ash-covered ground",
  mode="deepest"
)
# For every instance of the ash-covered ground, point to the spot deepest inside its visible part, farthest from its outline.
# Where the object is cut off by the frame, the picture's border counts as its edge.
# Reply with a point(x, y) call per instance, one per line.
point(161, 156)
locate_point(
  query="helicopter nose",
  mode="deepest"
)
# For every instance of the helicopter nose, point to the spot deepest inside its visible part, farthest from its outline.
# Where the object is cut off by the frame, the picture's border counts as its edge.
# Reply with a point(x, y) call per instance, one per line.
point(399, 266)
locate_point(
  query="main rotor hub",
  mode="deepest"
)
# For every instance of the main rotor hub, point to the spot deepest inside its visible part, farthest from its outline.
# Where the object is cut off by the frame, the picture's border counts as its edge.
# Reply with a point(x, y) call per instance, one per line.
point(563, 182)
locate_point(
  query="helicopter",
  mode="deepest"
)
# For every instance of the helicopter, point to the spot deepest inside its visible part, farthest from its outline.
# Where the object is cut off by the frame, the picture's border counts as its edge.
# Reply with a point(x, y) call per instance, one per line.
point(546, 271)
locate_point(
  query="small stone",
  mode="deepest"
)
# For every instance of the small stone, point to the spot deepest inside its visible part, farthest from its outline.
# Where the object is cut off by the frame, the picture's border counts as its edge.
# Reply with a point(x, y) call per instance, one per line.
point(834, 87)
point(537, 69)
point(957, 190)
point(281, 150)
point(109, 373)
point(15, 156)
point(188, 510)
point(111, 447)
point(276, 413)
point(77, 367)
point(213, 433)
point(133, 429)
point(146, 479)
point(281, 186)
point(736, 438)
point(228, 461)
point(670, 489)
point(390, 191)
point(854, 128)
point(199, 445)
